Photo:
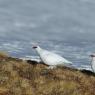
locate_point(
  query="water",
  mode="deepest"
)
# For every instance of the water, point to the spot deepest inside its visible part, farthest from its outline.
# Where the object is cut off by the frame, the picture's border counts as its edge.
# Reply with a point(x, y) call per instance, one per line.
point(66, 27)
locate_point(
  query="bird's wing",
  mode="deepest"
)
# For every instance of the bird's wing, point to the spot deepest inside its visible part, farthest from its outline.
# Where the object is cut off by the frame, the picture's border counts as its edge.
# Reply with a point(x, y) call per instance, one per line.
point(54, 57)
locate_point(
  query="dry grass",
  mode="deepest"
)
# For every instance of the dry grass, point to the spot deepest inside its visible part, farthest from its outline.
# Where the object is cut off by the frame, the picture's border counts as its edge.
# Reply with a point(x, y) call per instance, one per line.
point(18, 77)
point(3, 54)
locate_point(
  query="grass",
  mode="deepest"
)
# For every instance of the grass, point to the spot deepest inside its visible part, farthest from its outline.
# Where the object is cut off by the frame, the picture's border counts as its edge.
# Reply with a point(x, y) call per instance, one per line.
point(18, 77)
point(3, 54)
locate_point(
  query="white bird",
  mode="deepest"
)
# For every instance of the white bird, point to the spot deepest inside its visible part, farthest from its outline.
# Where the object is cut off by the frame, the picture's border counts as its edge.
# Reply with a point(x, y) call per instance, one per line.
point(50, 58)
point(93, 62)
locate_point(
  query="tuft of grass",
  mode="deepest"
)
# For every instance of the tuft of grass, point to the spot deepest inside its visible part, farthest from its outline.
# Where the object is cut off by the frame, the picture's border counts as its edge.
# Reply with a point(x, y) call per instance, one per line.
point(3, 54)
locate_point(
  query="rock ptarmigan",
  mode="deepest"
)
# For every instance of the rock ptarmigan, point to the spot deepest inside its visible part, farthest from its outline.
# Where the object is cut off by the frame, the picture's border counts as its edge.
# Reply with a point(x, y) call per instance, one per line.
point(50, 58)
point(93, 62)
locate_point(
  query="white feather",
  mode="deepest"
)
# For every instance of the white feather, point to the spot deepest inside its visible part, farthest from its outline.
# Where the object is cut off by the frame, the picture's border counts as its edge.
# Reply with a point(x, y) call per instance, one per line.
point(50, 58)
point(93, 64)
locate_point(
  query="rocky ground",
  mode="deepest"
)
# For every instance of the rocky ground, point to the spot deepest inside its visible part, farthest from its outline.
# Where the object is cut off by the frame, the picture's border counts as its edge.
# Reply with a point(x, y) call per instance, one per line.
point(19, 77)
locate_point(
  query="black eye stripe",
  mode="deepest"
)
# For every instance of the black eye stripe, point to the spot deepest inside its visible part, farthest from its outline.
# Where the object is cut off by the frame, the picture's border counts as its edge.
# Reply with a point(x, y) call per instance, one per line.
point(92, 55)
point(34, 47)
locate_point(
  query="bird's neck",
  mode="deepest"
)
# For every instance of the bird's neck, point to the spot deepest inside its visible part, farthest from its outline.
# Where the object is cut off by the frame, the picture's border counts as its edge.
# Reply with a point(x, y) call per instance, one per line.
point(38, 49)
point(93, 64)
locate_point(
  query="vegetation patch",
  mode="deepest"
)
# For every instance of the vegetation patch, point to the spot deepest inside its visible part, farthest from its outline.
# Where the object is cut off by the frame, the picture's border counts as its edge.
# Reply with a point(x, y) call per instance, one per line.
point(19, 77)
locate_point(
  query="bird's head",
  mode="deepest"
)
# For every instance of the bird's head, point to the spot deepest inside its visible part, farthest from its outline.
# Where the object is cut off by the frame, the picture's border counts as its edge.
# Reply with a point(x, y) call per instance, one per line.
point(92, 55)
point(34, 46)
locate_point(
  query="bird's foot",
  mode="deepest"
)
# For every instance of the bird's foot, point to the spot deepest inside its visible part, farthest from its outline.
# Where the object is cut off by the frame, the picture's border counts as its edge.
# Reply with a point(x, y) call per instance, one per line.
point(51, 67)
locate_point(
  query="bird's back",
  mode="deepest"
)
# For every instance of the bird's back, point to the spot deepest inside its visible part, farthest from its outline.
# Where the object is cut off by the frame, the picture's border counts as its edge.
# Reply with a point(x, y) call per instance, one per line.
point(52, 58)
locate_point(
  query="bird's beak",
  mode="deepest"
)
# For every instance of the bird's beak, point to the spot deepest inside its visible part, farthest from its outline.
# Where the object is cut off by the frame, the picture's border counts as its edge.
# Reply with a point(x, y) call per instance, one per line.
point(91, 55)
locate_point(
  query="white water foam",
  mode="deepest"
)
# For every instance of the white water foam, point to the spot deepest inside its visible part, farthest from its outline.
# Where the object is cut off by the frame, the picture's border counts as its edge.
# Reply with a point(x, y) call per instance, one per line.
point(34, 58)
